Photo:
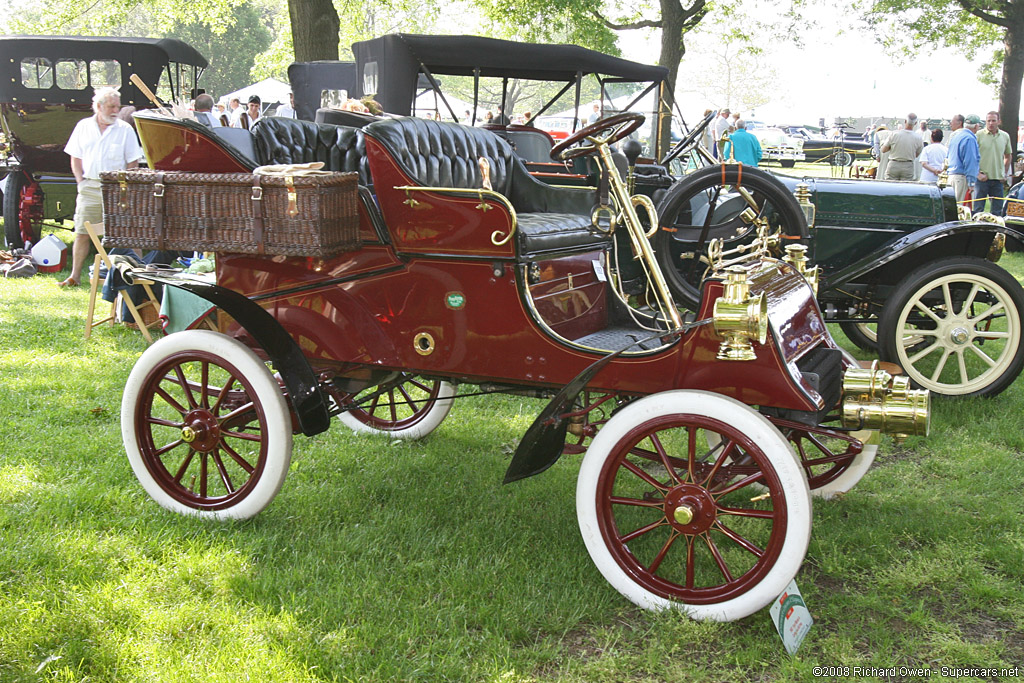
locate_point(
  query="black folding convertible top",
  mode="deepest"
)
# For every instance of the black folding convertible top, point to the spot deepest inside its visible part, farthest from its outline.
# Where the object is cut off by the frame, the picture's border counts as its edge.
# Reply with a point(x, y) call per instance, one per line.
point(146, 57)
point(94, 47)
point(403, 55)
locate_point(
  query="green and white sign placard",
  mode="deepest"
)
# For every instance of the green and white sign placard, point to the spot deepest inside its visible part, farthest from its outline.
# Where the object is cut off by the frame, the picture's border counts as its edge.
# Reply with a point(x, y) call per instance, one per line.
point(791, 617)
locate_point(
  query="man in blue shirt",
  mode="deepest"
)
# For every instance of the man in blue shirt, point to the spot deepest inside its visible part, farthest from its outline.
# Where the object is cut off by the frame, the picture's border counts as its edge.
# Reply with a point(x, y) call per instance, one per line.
point(963, 156)
point(743, 146)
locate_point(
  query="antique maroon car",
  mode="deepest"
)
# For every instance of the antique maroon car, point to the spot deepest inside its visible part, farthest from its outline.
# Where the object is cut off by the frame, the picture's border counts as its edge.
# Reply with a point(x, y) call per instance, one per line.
point(704, 432)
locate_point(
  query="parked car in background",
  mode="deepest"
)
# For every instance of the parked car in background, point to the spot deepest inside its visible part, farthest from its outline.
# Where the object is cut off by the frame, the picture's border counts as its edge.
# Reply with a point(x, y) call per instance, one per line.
point(46, 87)
point(840, 150)
point(779, 146)
point(558, 127)
point(898, 270)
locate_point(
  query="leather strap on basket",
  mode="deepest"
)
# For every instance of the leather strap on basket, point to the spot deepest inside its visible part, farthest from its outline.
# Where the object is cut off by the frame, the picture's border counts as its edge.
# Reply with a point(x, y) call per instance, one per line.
point(257, 214)
point(158, 209)
point(293, 208)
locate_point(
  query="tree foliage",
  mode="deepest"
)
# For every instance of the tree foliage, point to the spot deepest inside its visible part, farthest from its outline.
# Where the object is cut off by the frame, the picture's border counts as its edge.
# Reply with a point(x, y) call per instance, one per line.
point(231, 54)
point(230, 36)
point(726, 68)
point(971, 26)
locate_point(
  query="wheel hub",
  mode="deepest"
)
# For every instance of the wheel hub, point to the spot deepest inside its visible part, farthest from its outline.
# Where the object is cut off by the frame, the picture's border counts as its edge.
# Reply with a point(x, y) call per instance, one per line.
point(690, 509)
point(201, 430)
point(959, 335)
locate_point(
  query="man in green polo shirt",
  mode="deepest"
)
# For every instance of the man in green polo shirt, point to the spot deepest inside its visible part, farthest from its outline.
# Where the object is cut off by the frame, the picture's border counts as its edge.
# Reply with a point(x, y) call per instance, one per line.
point(996, 152)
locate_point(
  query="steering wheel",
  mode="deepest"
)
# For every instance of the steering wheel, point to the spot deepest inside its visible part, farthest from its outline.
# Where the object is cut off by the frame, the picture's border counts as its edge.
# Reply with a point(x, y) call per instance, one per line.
point(617, 126)
point(690, 139)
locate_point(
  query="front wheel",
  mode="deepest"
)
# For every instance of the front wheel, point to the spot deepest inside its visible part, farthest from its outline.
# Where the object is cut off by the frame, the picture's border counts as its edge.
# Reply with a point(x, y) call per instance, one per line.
point(692, 500)
point(206, 426)
point(962, 316)
point(842, 158)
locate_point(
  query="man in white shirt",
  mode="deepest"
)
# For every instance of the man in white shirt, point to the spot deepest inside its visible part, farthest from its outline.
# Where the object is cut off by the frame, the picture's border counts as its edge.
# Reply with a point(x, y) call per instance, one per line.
point(287, 110)
point(99, 143)
point(251, 115)
point(720, 127)
point(235, 110)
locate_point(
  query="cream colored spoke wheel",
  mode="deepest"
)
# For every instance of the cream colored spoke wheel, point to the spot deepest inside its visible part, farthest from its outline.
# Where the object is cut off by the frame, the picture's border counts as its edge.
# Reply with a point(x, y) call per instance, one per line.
point(966, 314)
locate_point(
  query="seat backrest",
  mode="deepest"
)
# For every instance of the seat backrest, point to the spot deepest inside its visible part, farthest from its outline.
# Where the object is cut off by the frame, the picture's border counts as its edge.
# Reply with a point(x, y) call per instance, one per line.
point(294, 141)
point(238, 138)
point(444, 154)
point(529, 144)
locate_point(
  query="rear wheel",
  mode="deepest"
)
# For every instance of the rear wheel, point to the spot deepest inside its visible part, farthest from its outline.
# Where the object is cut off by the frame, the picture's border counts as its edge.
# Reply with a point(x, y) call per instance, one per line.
point(842, 158)
point(206, 426)
point(717, 531)
point(407, 407)
point(954, 326)
point(863, 335)
point(709, 197)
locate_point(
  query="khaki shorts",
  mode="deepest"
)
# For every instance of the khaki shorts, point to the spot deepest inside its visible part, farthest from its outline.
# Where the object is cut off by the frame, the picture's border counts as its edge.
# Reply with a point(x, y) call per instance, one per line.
point(89, 206)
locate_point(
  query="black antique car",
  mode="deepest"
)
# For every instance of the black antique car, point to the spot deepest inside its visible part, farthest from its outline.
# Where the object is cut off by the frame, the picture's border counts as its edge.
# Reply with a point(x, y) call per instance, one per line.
point(46, 87)
point(895, 262)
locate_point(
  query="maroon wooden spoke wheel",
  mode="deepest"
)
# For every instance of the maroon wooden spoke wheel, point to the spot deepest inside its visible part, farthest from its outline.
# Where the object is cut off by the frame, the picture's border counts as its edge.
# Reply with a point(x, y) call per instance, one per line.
point(693, 500)
point(206, 426)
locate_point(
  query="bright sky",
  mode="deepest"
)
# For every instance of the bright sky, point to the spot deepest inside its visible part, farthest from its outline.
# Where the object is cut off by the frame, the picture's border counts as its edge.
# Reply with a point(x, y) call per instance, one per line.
point(833, 75)
point(848, 75)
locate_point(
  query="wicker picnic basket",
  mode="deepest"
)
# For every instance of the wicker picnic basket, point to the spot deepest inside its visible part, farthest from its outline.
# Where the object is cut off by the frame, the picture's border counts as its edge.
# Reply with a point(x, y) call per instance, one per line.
point(302, 215)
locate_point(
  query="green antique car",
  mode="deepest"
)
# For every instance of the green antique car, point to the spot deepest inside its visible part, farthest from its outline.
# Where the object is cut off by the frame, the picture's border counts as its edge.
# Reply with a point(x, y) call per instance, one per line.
point(46, 87)
point(895, 266)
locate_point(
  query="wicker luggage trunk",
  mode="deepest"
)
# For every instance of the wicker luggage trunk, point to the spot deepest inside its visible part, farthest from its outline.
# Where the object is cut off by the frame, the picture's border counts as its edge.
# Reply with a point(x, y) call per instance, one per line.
point(312, 215)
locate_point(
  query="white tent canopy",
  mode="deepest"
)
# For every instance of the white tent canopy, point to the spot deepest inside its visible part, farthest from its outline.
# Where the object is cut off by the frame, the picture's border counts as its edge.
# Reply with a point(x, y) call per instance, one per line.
point(270, 90)
point(427, 102)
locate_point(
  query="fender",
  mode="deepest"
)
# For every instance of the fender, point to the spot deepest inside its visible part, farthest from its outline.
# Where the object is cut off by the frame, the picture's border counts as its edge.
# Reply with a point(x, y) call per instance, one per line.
point(542, 445)
point(307, 399)
point(909, 243)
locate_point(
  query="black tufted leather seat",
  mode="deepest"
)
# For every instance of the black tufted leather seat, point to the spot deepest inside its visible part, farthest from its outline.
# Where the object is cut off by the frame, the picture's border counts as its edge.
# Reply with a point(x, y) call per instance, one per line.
point(442, 154)
point(293, 141)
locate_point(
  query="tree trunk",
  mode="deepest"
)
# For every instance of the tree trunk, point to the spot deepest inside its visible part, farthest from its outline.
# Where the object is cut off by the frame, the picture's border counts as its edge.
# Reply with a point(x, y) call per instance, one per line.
point(315, 29)
point(1013, 74)
point(673, 18)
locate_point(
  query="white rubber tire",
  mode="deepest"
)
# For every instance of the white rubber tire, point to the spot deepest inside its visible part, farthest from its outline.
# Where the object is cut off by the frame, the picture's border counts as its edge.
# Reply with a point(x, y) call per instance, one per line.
point(276, 430)
point(744, 420)
point(857, 469)
point(427, 423)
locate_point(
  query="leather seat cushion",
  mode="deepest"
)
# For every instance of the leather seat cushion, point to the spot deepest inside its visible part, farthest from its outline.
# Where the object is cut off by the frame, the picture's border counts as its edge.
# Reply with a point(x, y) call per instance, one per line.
point(539, 233)
point(439, 154)
point(294, 141)
point(436, 154)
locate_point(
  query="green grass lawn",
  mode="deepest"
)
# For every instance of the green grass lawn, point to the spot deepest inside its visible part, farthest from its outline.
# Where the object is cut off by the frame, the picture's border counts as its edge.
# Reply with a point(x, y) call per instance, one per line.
point(385, 561)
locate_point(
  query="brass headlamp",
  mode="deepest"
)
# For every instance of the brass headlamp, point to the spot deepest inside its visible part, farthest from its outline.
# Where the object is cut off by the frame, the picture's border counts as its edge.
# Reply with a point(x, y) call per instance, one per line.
point(874, 399)
point(739, 318)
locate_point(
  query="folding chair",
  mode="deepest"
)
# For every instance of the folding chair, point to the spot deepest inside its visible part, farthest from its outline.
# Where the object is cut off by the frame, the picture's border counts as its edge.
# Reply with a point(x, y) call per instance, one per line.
point(102, 258)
